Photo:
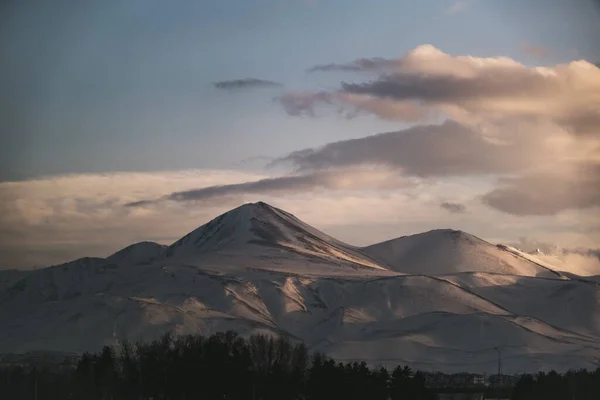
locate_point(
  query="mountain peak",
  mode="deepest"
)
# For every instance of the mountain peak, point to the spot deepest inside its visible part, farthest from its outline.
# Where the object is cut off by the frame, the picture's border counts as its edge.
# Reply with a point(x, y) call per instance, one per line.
point(250, 222)
point(249, 210)
point(270, 231)
point(449, 251)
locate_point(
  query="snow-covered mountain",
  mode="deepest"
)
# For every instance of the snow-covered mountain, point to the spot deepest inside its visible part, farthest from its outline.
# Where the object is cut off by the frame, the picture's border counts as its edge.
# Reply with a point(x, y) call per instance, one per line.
point(266, 237)
point(446, 251)
point(441, 300)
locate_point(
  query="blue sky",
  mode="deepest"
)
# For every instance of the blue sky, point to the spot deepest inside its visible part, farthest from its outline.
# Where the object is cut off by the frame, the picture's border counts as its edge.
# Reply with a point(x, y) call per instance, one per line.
point(126, 85)
point(104, 104)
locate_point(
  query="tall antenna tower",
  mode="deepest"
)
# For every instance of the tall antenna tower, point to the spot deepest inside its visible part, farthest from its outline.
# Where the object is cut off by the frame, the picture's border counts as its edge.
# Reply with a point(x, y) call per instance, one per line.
point(499, 360)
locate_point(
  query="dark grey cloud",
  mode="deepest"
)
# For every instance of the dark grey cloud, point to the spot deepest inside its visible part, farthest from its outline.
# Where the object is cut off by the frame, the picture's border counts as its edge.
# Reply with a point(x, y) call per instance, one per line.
point(246, 83)
point(501, 82)
point(303, 104)
point(583, 122)
point(428, 150)
point(270, 185)
point(454, 208)
point(409, 77)
point(548, 192)
point(287, 184)
point(140, 203)
point(361, 64)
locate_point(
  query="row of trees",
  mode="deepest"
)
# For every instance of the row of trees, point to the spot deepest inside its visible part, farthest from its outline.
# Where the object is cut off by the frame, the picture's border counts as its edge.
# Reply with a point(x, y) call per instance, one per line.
point(222, 366)
point(225, 366)
point(574, 385)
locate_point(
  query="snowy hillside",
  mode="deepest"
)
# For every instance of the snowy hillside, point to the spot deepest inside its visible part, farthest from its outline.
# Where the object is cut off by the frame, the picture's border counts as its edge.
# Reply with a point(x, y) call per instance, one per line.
point(138, 253)
point(440, 300)
point(446, 251)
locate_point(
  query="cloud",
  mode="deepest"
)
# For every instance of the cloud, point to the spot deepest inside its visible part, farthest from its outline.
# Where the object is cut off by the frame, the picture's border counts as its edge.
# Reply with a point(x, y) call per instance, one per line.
point(361, 64)
point(466, 88)
point(260, 160)
point(532, 130)
point(548, 192)
point(246, 83)
point(350, 105)
point(534, 50)
point(328, 180)
point(50, 220)
point(56, 219)
point(515, 139)
point(300, 104)
point(454, 208)
point(581, 261)
point(543, 168)
point(447, 149)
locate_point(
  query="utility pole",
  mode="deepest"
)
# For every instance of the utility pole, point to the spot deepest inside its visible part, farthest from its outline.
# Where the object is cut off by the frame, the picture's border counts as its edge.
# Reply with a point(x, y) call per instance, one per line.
point(499, 360)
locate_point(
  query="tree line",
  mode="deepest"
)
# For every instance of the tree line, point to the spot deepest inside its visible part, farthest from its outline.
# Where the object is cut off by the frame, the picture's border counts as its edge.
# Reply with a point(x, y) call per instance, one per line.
point(222, 366)
point(225, 366)
point(573, 385)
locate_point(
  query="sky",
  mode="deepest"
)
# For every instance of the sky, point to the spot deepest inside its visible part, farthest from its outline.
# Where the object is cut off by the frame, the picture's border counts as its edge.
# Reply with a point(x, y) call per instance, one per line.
point(131, 120)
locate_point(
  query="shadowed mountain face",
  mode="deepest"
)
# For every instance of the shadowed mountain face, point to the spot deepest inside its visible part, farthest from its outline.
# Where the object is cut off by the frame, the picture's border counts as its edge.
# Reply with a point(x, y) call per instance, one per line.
point(138, 253)
point(438, 300)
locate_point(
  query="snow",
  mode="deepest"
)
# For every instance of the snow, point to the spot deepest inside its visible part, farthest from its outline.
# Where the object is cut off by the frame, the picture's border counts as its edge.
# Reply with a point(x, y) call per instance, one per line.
point(275, 238)
point(439, 300)
point(138, 253)
point(447, 251)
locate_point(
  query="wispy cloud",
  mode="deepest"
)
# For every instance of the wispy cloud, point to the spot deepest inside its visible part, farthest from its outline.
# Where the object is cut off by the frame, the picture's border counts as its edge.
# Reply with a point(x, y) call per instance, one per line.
point(548, 191)
point(582, 261)
point(448, 149)
point(300, 104)
point(348, 179)
point(361, 64)
point(454, 208)
point(246, 83)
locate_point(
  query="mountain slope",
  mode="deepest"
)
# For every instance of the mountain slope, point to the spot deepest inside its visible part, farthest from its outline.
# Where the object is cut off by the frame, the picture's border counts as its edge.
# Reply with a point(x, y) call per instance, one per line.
point(442, 299)
point(571, 305)
point(446, 251)
point(138, 253)
point(417, 319)
point(272, 239)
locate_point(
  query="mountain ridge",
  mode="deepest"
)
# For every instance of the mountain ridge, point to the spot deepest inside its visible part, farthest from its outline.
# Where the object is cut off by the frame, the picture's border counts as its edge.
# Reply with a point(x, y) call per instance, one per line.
point(439, 298)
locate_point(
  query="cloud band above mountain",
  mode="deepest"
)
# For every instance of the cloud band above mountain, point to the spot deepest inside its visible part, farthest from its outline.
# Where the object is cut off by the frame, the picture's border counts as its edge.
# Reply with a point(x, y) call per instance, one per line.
point(337, 180)
point(544, 169)
point(533, 130)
